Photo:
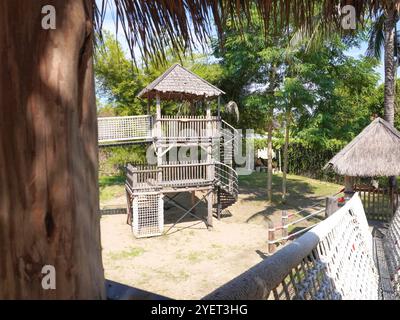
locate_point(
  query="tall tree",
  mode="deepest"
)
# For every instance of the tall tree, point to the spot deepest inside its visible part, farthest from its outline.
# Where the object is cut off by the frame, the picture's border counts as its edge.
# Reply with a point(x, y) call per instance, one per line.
point(49, 210)
point(390, 10)
point(49, 203)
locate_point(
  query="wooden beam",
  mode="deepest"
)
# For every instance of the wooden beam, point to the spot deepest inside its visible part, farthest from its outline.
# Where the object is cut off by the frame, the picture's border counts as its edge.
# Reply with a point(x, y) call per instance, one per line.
point(348, 187)
point(158, 136)
point(210, 210)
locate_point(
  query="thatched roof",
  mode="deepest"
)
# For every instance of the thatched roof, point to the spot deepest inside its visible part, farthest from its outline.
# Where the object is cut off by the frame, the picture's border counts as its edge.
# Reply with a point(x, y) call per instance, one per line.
point(375, 152)
point(178, 83)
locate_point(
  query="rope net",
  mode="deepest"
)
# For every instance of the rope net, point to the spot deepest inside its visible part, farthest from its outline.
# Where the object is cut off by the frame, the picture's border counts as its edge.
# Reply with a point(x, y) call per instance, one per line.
point(341, 266)
point(114, 129)
point(332, 261)
point(392, 252)
point(148, 215)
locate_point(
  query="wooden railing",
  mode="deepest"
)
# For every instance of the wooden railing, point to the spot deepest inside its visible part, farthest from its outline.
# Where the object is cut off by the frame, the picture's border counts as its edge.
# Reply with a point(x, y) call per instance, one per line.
point(141, 176)
point(137, 128)
point(379, 203)
point(189, 127)
point(172, 174)
point(290, 229)
point(185, 173)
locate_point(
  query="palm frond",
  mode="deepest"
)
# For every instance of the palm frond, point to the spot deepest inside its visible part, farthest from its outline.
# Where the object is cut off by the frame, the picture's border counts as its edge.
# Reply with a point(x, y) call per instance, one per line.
point(152, 26)
point(376, 38)
point(313, 36)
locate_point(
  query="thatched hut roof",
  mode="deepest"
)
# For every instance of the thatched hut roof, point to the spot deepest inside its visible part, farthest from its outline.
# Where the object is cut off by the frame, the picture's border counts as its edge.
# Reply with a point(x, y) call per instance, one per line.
point(375, 152)
point(178, 83)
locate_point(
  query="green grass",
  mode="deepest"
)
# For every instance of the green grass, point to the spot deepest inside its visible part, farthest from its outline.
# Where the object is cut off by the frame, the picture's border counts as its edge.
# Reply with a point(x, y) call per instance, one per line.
point(111, 187)
point(126, 254)
point(258, 180)
point(108, 193)
point(298, 187)
point(302, 192)
point(107, 181)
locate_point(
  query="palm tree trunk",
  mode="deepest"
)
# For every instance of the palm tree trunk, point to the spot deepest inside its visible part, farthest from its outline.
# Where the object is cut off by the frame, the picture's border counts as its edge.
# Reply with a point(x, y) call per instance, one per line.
point(390, 72)
point(390, 82)
point(49, 200)
point(285, 156)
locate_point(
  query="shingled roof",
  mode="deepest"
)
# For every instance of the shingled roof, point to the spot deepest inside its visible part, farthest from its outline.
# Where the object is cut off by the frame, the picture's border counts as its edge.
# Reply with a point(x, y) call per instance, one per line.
point(375, 152)
point(178, 83)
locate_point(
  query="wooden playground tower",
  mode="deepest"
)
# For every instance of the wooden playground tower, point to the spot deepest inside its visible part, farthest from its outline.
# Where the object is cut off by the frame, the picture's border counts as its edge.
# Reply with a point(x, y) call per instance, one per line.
point(211, 171)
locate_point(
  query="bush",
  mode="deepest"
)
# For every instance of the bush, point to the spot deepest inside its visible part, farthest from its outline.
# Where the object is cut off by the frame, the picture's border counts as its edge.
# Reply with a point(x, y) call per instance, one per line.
point(113, 160)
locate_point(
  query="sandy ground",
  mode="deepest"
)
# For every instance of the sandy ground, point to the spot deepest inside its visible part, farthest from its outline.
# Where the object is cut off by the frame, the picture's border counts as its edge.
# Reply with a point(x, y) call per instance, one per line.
point(190, 261)
point(187, 263)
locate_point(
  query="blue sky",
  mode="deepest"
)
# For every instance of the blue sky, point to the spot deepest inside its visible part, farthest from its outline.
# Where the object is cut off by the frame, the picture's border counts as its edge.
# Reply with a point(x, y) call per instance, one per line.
point(109, 25)
point(357, 52)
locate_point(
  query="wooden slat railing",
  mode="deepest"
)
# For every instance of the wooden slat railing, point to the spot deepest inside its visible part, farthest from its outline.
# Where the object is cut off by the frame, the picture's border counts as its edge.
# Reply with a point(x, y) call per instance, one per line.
point(188, 127)
point(179, 174)
point(173, 174)
point(140, 176)
point(379, 203)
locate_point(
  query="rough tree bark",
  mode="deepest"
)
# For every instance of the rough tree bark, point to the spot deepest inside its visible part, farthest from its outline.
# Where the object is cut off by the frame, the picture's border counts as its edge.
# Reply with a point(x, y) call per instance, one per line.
point(390, 83)
point(48, 152)
point(390, 70)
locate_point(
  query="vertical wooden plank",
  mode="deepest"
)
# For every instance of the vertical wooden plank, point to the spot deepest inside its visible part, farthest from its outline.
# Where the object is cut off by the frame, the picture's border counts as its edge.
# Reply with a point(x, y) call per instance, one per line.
point(209, 210)
point(193, 200)
point(271, 237)
point(369, 202)
point(373, 202)
point(284, 219)
point(331, 206)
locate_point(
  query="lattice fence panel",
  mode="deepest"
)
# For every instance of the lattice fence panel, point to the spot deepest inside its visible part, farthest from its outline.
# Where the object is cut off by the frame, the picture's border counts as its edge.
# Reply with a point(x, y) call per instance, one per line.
point(148, 215)
point(124, 128)
point(392, 252)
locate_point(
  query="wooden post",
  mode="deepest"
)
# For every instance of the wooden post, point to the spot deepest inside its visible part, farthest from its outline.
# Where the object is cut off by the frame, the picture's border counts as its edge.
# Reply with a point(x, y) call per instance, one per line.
point(331, 206)
point(129, 208)
point(158, 137)
point(219, 205)
point(348, 185)
point(209, 211)
point(284, 220)
point(271, 237)
point(219, 108)
point(193, 200)
point(210, 171)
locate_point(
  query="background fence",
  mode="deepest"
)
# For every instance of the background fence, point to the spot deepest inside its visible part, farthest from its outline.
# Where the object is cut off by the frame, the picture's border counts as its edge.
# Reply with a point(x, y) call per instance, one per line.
point(379, 203)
